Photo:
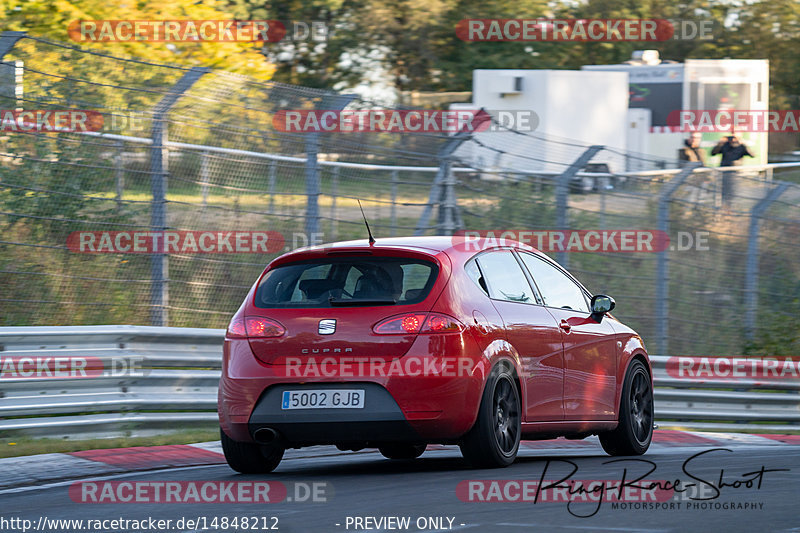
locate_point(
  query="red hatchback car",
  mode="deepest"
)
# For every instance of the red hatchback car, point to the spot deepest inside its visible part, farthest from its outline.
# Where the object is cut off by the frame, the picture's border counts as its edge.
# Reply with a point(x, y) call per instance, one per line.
point(418, 340)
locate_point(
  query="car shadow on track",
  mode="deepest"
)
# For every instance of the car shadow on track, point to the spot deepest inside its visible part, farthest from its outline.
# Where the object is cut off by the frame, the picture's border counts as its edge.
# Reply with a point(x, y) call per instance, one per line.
point(362, 464)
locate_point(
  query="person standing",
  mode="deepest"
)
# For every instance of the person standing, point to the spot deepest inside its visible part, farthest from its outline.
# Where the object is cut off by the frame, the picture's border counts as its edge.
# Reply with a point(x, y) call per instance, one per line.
point(691, 151)
point(732, 151)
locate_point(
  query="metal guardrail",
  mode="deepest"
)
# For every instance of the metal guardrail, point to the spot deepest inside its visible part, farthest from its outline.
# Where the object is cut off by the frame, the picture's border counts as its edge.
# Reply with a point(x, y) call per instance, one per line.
point(154, 380)
point(158, 379)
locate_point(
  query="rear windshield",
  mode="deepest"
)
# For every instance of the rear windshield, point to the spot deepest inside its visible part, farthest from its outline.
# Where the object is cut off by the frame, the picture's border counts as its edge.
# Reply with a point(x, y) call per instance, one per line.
point(350, 281)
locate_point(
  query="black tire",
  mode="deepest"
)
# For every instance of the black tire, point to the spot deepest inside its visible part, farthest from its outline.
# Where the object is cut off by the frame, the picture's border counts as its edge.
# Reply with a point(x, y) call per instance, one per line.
point(635, 430)
point(402, 451)
point(249, 457)
point(494, 439)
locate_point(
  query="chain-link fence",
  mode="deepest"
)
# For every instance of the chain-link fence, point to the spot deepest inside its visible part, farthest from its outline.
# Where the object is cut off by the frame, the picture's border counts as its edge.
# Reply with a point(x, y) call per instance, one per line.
point(190, 151)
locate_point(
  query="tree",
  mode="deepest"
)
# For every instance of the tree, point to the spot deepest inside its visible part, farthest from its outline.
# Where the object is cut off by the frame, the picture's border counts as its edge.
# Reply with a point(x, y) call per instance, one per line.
point(414, 45)
point(51, 19)
point(301, 59)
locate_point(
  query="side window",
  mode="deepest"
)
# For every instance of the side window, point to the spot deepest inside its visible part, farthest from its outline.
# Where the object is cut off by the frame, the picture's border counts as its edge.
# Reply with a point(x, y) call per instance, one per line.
point(505, 278)
point(474, 273)
point(556, 288)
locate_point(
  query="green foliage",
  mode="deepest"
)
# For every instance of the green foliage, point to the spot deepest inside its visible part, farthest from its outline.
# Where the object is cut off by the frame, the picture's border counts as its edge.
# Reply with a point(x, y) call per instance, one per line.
point(51, 19)
point(415, 42)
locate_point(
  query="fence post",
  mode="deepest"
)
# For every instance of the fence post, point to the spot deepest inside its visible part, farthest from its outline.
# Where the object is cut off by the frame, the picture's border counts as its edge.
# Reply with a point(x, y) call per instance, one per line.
point(334, 193)
point(393, 206)
point(662, 268)
point(440, 189)
point(329, 102)
point(272, 169)
point(159, 292)
point(8, 39)
point(602, 208)
point(204, 175)
point(562, 194)
point(312, 185)
point(449, 205)
point(751, 267)
point(119, 173)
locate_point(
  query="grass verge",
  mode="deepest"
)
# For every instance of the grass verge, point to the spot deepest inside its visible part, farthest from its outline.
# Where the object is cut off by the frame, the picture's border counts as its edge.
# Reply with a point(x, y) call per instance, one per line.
point(29, 446)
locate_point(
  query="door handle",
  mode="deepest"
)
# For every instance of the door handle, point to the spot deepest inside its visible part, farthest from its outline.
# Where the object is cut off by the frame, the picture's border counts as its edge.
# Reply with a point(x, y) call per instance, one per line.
point(565, 326)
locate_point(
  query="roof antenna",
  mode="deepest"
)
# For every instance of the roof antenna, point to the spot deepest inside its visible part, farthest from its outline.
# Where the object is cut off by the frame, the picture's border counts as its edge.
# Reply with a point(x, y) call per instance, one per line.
point(371, 238)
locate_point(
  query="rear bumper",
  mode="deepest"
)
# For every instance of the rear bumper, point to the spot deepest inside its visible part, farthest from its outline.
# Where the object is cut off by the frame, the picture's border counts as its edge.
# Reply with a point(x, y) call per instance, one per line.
point(397, 409)
point(380, 420)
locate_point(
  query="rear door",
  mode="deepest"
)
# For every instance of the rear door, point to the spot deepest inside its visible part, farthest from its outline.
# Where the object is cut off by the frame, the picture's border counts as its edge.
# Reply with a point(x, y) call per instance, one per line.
point(590, 351)
point(531, 330)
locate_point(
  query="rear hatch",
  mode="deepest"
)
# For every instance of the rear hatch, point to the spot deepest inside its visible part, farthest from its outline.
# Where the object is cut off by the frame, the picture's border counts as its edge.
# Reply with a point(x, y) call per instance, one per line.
point(327, 304)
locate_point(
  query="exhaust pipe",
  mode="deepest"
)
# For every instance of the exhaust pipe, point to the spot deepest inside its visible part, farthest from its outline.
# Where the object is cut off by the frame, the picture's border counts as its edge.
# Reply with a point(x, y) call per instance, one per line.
point(265, 435)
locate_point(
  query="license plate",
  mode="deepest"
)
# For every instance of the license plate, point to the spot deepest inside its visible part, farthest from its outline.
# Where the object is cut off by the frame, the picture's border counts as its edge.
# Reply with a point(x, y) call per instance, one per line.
point(323, 399)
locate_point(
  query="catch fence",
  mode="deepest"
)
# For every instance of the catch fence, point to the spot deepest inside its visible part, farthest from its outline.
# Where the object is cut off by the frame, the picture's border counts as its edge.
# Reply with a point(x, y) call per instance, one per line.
point(192, 150)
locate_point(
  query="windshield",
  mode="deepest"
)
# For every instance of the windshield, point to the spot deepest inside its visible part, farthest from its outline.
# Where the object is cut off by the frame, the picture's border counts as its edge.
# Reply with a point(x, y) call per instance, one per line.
point(347, 282)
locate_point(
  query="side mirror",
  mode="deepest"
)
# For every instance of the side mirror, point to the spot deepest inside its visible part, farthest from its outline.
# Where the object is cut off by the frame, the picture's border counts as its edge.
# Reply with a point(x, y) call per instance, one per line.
point(602, 304)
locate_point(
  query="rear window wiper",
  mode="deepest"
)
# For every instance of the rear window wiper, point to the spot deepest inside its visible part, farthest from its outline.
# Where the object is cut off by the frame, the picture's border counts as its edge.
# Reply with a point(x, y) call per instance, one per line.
point(336, 302)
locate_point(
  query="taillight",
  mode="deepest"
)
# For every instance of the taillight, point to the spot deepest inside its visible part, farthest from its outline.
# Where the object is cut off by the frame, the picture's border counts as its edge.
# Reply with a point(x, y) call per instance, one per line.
point(254, 327)
point(263, 327)
point(236, 329)
point(413, 323)
point(441, 324)
point(401, 324)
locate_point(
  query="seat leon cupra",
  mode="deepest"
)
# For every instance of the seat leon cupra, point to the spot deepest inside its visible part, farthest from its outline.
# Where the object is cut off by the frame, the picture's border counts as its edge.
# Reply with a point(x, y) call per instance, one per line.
point(405, 342)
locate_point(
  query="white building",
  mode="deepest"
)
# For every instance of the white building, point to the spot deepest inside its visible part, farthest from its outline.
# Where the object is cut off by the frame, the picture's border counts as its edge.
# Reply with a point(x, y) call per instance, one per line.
point(572, 108)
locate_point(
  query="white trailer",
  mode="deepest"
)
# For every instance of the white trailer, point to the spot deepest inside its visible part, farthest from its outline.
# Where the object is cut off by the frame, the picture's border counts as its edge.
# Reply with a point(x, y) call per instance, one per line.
point(658, 88)
point(573, 108)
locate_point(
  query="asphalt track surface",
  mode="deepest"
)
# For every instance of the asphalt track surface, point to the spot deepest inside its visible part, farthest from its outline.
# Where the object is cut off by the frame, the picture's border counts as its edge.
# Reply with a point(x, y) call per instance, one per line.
point(364, 484)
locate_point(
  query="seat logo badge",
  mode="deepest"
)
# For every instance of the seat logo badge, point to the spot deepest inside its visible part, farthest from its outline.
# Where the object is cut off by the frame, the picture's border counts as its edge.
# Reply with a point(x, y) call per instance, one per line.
point(327, 327)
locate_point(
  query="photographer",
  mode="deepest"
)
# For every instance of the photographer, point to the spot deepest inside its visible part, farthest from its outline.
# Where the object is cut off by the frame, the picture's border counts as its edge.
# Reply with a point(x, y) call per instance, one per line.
point(732, 151)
